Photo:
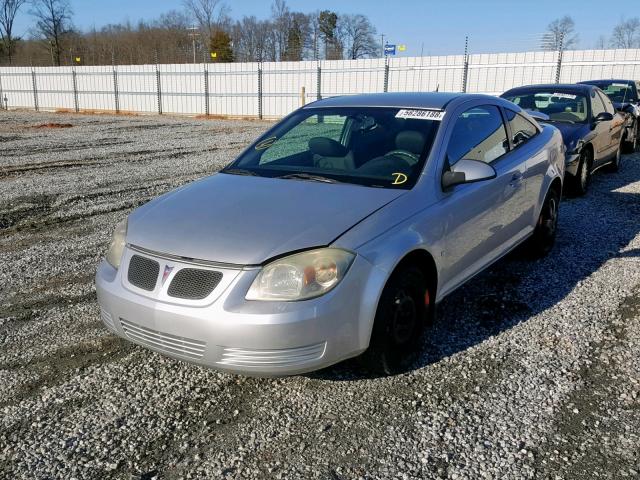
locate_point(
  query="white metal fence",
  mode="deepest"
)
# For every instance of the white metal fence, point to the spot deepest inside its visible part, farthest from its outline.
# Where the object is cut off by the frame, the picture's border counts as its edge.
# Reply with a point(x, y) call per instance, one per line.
point(271, 90)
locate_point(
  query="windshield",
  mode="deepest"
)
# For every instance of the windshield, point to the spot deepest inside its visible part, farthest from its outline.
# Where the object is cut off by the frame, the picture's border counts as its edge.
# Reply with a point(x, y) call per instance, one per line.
point(559, 106)
point(617, 91)
point(376, 147)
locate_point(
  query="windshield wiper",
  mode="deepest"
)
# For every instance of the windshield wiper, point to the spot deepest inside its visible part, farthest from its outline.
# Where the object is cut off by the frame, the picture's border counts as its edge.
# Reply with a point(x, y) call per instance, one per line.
point(240, 171)
point(308, 176)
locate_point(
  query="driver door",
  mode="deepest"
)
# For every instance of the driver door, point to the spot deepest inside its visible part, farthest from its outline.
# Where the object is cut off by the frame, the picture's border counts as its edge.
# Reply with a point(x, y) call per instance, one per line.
point(602, 141)
point(486, 218)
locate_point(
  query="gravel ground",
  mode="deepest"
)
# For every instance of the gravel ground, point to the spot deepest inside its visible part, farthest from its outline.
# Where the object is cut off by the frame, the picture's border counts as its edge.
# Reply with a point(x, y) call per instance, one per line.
point(531, 370)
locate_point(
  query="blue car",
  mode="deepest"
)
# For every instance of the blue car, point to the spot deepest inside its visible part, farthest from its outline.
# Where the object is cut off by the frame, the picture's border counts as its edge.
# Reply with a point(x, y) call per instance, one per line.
point(624, 94)
point(591, 128)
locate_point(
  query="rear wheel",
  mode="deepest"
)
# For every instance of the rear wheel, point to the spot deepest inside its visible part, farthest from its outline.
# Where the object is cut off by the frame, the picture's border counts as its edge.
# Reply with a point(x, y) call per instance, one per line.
point(544, 235)
point(404, 308)
point(583, 177)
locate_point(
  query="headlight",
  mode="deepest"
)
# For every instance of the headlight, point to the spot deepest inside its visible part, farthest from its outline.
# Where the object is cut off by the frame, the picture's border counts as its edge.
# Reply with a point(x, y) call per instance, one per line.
point(116, 247)
point(301, 276)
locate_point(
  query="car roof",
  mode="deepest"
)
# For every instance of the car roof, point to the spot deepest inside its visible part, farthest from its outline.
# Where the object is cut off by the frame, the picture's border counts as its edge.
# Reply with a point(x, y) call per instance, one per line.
point(606, 80)
point(435, 100)
point(556, 87)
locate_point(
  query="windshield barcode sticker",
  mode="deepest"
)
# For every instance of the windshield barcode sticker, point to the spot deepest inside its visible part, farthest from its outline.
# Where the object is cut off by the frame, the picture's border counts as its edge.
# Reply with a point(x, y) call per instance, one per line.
point(623, 85)
point(565, 95)
point(437, 115)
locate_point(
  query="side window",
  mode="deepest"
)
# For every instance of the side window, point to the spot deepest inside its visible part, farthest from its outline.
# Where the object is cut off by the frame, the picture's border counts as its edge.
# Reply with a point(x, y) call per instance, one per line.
point(597, 106)
point(478, 134)
point(607, 104)
point(521, 128)
point(296, 140)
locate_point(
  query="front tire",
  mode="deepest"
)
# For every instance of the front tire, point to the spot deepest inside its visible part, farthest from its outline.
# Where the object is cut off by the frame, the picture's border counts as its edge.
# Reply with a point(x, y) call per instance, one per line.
point(545, 232)
point(580, 182)
point(631, 147)
point(614, 166)
point(405, 306)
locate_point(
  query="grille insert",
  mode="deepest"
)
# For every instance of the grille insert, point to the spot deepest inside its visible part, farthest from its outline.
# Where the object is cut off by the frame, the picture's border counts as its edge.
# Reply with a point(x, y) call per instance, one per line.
point(143, 272)
point(164, 342)
point(193, 283)
point(290, 357)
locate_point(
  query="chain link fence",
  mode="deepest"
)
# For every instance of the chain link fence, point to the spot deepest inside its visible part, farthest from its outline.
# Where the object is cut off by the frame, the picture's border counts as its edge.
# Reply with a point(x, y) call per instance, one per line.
point(272, 90)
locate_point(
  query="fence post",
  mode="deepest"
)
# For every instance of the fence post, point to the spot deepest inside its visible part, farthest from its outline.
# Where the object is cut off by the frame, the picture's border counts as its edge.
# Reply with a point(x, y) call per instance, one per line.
point(206, 90)
point(35, 89)
point(159, 90)
point(386, 74)
point(319, 83)
point(260, 91)
point(465, 72)
point(559, 66)
point(116, 99)
point(2, 101)
point(75, 90)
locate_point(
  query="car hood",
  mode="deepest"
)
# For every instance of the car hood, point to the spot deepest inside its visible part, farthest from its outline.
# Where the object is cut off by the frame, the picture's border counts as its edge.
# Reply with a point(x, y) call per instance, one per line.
point(247, 220)
point(571, 132)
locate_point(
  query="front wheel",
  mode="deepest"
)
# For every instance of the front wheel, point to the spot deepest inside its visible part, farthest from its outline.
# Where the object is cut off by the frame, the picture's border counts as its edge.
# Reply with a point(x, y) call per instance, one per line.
point(544, 234)
point(404, 308)
point(632, 146)
point(580, 182)
point(614, 166)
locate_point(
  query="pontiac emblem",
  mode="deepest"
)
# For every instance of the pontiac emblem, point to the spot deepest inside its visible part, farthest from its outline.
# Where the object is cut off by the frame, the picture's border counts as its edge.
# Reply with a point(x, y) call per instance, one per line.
point(166, 273)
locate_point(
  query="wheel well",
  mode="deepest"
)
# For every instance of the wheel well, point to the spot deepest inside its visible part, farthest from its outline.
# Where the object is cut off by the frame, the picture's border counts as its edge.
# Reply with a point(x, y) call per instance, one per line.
point(557, 185)
point(589, 147)
point(424, 261)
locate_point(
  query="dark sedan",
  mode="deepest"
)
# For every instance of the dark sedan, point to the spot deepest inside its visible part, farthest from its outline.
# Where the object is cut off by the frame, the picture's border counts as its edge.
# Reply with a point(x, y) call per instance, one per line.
point(624, 94)
point(590, 126)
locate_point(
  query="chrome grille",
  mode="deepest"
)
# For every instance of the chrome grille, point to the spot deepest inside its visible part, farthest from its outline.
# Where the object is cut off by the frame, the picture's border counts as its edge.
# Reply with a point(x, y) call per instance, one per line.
point(193, 283)
point(143, 272)
point(164, 342)
point(290, 357)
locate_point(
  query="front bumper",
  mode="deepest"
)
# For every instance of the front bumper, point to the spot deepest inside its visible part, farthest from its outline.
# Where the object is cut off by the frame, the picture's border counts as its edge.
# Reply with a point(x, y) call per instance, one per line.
point(227, 332)
point(572, 162)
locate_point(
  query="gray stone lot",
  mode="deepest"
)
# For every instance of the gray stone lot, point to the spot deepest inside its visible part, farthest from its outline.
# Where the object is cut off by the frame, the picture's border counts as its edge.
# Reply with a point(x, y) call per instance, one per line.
point(531, 371)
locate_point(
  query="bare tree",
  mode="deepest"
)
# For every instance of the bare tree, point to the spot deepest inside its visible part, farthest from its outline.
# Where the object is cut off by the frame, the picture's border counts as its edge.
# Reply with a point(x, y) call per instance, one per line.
point(359, 36)
point(254, 40)
point(560, 33)
point(626, 34)
point(601, 43)
point(281, 18)
point(8, 11)
point(53, 21)
point(209, 14)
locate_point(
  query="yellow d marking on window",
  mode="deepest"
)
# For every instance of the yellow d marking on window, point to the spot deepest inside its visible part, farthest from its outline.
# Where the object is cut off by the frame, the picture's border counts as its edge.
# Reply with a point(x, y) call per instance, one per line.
point(266, 143)
point(399, 178)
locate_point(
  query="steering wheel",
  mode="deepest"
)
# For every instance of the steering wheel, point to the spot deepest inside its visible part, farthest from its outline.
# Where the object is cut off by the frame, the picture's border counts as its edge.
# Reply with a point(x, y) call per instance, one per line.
point(410, 158)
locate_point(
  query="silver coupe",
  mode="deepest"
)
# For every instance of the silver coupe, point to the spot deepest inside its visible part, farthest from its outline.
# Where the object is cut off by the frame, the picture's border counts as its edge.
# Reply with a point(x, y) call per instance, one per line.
point(335, 234)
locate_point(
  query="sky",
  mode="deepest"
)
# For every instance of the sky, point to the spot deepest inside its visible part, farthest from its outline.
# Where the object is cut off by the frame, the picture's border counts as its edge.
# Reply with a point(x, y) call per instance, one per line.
point(432, 27)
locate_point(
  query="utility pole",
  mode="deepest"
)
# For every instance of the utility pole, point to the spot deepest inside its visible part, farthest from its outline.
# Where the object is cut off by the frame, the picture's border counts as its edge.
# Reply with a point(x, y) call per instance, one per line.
point(193, 33)
point(382, 43)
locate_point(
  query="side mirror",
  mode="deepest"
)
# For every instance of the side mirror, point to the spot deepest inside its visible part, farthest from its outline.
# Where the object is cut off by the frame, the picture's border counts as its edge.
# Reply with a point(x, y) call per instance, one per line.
point(603, 117)
point(467, 171)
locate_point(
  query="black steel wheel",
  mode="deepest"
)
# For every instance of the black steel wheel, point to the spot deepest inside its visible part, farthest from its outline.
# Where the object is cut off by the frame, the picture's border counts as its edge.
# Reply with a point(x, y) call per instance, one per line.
point(544, 235)
point(403, 311)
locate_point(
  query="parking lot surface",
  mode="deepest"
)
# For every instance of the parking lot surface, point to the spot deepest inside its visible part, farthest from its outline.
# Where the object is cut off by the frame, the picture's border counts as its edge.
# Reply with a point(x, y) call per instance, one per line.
point(531, 370)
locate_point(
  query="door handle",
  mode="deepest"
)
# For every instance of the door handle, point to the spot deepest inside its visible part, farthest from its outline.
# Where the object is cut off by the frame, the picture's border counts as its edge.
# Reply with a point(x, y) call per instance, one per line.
point(516, 179)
